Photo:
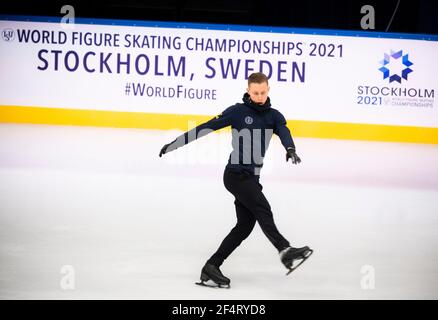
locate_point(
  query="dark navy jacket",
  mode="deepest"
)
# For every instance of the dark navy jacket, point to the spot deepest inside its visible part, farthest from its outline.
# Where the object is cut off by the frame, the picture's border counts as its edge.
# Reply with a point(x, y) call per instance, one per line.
point(252, 128)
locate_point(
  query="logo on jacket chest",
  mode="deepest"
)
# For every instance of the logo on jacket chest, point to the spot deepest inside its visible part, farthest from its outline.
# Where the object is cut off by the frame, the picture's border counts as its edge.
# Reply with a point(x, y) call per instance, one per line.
point(249, 120)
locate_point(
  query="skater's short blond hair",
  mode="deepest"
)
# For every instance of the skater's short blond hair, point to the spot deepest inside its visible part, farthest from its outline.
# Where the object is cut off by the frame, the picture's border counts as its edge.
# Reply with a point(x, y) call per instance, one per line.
point(257, 77)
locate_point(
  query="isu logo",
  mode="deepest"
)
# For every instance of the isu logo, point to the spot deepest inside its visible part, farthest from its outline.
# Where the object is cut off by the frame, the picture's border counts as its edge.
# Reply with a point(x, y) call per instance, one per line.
point(8, 34)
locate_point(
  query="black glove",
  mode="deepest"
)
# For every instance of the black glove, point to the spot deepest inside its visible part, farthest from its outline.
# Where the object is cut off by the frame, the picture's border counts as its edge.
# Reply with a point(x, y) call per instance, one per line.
point(290, 154)
point(164, 148)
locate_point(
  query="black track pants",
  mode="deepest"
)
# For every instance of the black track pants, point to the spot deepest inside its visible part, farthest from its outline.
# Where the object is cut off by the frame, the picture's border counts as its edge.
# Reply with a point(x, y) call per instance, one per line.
point(251, 206)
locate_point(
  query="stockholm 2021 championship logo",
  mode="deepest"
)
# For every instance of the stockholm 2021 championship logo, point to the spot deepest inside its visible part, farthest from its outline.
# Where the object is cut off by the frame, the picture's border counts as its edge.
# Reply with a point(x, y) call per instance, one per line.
point(394, 72)
point(396, 66)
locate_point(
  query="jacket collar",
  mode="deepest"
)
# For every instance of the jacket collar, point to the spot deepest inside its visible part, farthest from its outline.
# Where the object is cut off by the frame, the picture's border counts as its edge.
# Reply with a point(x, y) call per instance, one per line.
point(260, 108)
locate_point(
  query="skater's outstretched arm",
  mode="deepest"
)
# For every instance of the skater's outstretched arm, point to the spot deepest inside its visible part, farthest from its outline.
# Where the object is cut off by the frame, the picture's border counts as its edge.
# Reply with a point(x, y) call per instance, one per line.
point(220, 121)
point(283, 132)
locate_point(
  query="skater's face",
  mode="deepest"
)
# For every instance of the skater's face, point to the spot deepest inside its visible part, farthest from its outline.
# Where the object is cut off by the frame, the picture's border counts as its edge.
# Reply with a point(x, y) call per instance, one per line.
point(258, 92)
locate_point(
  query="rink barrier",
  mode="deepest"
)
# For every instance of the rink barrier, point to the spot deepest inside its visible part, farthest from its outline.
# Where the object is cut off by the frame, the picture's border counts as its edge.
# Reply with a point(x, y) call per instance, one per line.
point(299, 128)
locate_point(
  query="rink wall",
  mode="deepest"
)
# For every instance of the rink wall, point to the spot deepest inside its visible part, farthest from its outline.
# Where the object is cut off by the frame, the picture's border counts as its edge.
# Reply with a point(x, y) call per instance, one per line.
point(299, 128)
point(161, 75)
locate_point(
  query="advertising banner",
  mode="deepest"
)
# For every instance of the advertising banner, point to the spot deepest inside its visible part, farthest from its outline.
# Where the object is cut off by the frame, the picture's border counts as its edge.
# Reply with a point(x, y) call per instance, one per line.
point(169, 69)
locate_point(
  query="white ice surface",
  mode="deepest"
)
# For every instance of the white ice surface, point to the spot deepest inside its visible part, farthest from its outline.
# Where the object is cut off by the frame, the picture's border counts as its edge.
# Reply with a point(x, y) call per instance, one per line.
point(136, 226)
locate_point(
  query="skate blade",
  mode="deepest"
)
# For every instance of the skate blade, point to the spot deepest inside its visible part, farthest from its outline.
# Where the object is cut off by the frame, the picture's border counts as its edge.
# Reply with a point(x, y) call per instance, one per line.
point(214, 285)
point(306, 256)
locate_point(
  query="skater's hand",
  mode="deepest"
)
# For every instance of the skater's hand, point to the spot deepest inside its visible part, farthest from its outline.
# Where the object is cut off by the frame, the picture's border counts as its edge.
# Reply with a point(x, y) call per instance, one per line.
point(164, 148)
point(290, 154)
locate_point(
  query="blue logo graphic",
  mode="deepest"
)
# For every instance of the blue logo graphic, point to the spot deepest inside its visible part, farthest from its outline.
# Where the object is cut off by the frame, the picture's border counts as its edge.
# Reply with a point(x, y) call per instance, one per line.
point(393, 57)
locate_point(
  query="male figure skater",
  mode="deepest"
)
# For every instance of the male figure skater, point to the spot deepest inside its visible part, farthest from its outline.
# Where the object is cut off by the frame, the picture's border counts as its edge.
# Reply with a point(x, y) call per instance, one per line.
point(253, 122)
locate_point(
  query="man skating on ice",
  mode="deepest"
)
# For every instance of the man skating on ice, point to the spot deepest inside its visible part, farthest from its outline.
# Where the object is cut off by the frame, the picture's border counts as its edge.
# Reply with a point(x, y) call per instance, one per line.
point(253, 122)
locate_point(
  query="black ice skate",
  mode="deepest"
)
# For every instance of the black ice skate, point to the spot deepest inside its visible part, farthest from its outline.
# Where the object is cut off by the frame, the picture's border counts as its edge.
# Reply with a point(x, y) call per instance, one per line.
point(297, 256)
point(211, 272)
